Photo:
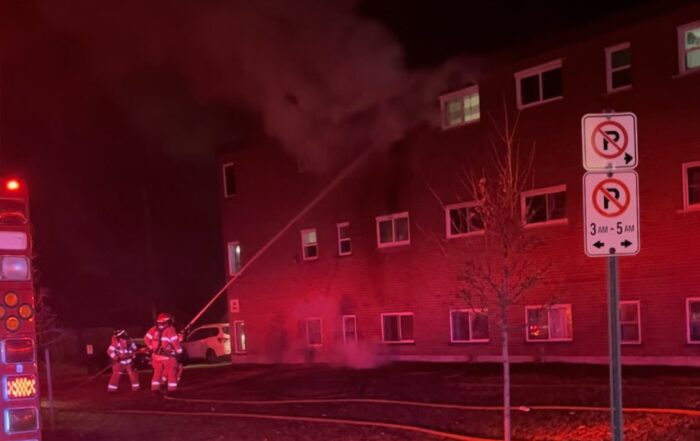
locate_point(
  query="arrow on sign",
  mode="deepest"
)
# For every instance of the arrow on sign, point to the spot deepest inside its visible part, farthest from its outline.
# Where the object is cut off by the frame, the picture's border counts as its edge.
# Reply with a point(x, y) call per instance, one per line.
point(628, 158)
point(599, 244)
point(626, 243)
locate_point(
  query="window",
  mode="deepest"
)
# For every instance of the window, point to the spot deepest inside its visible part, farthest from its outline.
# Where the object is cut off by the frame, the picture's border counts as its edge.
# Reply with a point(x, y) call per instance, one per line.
point(630, 329)
point(314, 336)
point(460, 107)
point(618, 65)
point(239, 342)
point(691, 185)
point(234, 258)
point(349, 329)
point(693, 315)
point(469, 325)
point(397, 327)
point(229, 180)
point(393, 230)
point(551, 323)
point(539, 84)
point(344, 242)
point(309, 244)
point(462, 219)
point(689, 47)
point(545, 205)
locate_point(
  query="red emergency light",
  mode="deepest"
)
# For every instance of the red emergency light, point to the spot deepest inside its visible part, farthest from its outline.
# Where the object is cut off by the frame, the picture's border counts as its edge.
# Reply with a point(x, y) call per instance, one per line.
point(12, 185)
point(19, 386)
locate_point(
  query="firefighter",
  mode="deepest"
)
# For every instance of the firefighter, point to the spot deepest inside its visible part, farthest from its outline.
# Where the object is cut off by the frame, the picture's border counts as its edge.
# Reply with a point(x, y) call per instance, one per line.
point(164, 343)
point(121, 351)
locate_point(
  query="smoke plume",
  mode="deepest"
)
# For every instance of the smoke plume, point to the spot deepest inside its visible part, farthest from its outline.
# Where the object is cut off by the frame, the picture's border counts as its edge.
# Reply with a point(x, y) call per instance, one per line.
point(324, 81)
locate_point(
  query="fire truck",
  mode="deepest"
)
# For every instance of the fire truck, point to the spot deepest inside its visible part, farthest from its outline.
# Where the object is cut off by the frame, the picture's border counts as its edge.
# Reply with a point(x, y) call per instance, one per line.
point(18, 352)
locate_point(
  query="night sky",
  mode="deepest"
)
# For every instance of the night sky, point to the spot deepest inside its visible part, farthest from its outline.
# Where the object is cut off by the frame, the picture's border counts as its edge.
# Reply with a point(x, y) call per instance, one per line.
point(114, 112)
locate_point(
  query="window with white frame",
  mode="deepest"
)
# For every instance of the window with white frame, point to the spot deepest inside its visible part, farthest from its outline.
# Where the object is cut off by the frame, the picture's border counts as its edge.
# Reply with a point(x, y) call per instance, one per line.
point(309, 244)
point(539, 84)
point(229, 177)
point(689, 47)
point(618, 64)
point(462, 219)
point(691, 185)
point(234, 258)
point(469, 325)
point(549, 323)
point(393, 230)
point(630, 328)
point(349, 329)
point(693, 319)
point(344, 241)
point(314, 333)
point(397, 327)
point(239, 341)
point(460, 107)
point(544, 205)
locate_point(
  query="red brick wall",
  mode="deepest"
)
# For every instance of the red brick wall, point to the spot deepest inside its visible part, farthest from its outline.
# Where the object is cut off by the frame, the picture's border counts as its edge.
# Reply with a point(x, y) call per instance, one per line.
point(280, 290)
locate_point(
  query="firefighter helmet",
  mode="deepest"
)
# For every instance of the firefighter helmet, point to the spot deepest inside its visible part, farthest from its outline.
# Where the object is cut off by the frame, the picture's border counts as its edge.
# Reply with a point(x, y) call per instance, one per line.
point(119, 333)
point(164, 319)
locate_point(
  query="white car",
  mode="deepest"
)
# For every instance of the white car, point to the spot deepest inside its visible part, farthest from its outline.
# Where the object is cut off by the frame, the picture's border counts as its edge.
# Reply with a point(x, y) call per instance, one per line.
point(208, 342)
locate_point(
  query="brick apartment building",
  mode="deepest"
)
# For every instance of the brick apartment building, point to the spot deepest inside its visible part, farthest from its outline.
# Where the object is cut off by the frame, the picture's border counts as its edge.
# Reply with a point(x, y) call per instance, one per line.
point(372, 271)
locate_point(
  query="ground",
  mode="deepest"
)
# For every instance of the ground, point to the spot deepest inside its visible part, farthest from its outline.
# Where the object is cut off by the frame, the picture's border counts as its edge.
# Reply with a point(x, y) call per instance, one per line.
point(428, 401)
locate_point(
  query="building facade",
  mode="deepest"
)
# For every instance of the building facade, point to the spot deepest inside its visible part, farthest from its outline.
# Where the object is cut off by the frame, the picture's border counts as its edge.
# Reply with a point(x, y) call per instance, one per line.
point(372, 271)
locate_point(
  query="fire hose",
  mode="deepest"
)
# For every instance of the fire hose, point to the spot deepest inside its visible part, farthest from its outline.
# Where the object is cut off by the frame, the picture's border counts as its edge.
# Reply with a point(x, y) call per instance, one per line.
point(331, 185)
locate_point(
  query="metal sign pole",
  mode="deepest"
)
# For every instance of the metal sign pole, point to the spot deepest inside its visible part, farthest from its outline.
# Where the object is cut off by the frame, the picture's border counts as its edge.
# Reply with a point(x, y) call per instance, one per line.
point(615, 364)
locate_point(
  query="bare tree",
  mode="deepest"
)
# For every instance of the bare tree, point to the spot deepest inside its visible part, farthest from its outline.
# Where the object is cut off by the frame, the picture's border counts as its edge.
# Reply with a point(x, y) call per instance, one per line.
point(498, 273)
point(48, 330)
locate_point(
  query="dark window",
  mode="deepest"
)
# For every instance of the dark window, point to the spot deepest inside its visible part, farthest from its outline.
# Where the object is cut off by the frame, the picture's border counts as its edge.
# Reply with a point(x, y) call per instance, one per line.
point(694, 320)
point(464, 220)
point(551, 84)
point(693, 185)
point(530, 89)
point(619, 68)
point(545, 207)
point(229, 180)
point(398, 327)
point(621, 78)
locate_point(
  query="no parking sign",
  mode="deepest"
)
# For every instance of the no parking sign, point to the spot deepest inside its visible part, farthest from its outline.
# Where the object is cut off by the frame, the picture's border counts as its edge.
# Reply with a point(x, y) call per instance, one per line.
point(609, 141)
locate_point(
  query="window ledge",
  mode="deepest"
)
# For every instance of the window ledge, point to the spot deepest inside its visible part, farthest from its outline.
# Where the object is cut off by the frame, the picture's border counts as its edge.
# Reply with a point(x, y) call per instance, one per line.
point(461, 342)
point(393, 245)
point(402, 342)
point(547, 223)
point(465, 235)
point(539, 103)
point(552, 340)
point(695, 208)
point(686, 73)
point(462, 124)
point(631, 343)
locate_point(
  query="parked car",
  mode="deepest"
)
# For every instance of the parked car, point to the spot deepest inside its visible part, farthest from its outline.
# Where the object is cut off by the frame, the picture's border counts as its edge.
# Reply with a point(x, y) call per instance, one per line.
point(208, 342)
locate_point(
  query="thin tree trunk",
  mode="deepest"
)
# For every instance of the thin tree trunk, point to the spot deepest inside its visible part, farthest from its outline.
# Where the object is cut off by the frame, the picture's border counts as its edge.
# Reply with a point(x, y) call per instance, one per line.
point(506, 375)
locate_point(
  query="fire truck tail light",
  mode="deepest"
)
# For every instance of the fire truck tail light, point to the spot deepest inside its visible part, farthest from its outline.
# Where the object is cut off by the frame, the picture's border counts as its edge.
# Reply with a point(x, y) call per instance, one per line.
point(19, 386)
point(21, 419)
point(13, 240)
point(26, 311)
point(14, 268)
point(18, 350)
point(11, 299)
point(12, 323)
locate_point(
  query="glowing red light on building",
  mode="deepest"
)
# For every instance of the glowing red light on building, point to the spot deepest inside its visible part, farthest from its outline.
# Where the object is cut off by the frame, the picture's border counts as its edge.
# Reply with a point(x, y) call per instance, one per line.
point(21, 386)
point(12, 185)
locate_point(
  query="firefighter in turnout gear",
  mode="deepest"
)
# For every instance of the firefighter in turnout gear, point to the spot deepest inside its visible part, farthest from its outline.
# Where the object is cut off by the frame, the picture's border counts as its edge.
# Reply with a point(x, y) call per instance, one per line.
point(122, 350)
point(164, 343)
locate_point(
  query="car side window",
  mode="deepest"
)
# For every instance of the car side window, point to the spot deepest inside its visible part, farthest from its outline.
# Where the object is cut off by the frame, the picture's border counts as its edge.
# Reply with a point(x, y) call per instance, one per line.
point(226, 330)
point(197, 335)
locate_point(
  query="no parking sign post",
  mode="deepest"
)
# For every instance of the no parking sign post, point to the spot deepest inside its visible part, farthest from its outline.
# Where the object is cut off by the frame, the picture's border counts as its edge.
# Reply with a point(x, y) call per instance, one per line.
point(611, 219)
